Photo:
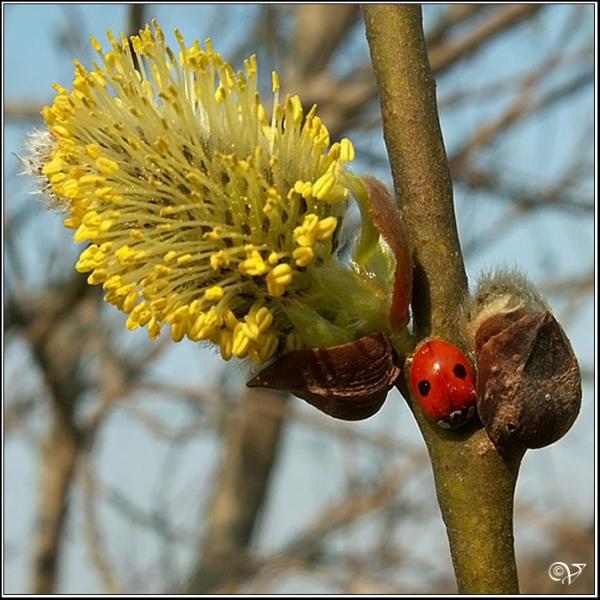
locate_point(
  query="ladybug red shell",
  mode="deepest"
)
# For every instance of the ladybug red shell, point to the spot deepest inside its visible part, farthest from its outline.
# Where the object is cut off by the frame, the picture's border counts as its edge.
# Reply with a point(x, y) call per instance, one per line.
point(443, 382)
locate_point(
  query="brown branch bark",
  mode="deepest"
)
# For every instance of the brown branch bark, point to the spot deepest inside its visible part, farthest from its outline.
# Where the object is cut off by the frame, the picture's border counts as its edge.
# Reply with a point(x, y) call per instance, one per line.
point(51, 343)
point(251, 451)
point(52, 338)
point(59, 455)
point(475, 486)
point(22, 111)
point(96, 548)
point(319, 30)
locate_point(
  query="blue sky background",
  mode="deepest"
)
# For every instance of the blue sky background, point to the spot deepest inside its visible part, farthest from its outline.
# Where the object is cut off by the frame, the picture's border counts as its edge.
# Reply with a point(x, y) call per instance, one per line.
point(558, 480)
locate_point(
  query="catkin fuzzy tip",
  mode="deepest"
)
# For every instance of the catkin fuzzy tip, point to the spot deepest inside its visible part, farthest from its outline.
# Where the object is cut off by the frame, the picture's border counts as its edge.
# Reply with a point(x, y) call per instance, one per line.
point(499, 293)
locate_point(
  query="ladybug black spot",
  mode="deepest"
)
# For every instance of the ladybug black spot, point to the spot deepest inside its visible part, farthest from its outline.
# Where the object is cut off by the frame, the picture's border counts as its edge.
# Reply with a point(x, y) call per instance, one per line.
point(460, 371)
point(424, 387)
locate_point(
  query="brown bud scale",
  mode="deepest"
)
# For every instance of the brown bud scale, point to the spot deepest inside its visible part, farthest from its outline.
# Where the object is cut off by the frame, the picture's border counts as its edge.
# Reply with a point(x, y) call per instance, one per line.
point(388, 221)
point(528, 380)
point(349, 381)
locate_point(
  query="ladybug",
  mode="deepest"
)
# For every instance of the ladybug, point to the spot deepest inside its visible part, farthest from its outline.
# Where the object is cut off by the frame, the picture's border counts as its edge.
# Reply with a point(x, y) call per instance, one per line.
point(443, 382)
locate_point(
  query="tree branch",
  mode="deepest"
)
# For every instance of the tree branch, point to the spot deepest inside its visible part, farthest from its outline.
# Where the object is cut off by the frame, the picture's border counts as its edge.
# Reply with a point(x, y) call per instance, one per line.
point(455, 15)
point(444, 55)
point(475, 486)
point(419, 167)
point(252, 448)
point(59, 455)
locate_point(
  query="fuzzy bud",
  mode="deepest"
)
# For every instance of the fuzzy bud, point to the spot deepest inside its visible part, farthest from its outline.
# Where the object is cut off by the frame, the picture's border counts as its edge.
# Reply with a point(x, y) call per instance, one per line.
point(501, 298)
point(528, 380)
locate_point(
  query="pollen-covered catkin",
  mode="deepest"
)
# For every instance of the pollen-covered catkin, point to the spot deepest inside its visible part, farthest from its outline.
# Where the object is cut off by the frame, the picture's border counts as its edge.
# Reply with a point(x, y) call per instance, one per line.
point(197, 210)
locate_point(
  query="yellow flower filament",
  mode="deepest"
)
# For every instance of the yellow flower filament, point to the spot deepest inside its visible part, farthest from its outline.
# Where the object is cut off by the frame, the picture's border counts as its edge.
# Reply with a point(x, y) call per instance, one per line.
point(199, 212)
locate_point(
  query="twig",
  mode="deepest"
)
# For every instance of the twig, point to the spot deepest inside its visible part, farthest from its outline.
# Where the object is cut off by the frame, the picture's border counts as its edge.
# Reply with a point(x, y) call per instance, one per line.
point(306, 549)
point(270, 408)
point(455, 15)
point(475, 486)
point(96, 547)
point(22, 111)
point(59, 457)
point(504, 17)
point(250, 455)
point(549, 66)
point(523, 106)
point(319, 31)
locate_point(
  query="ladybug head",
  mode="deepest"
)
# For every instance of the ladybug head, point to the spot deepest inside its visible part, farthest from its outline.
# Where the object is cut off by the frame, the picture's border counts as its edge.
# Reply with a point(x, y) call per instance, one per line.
point(457, 418)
